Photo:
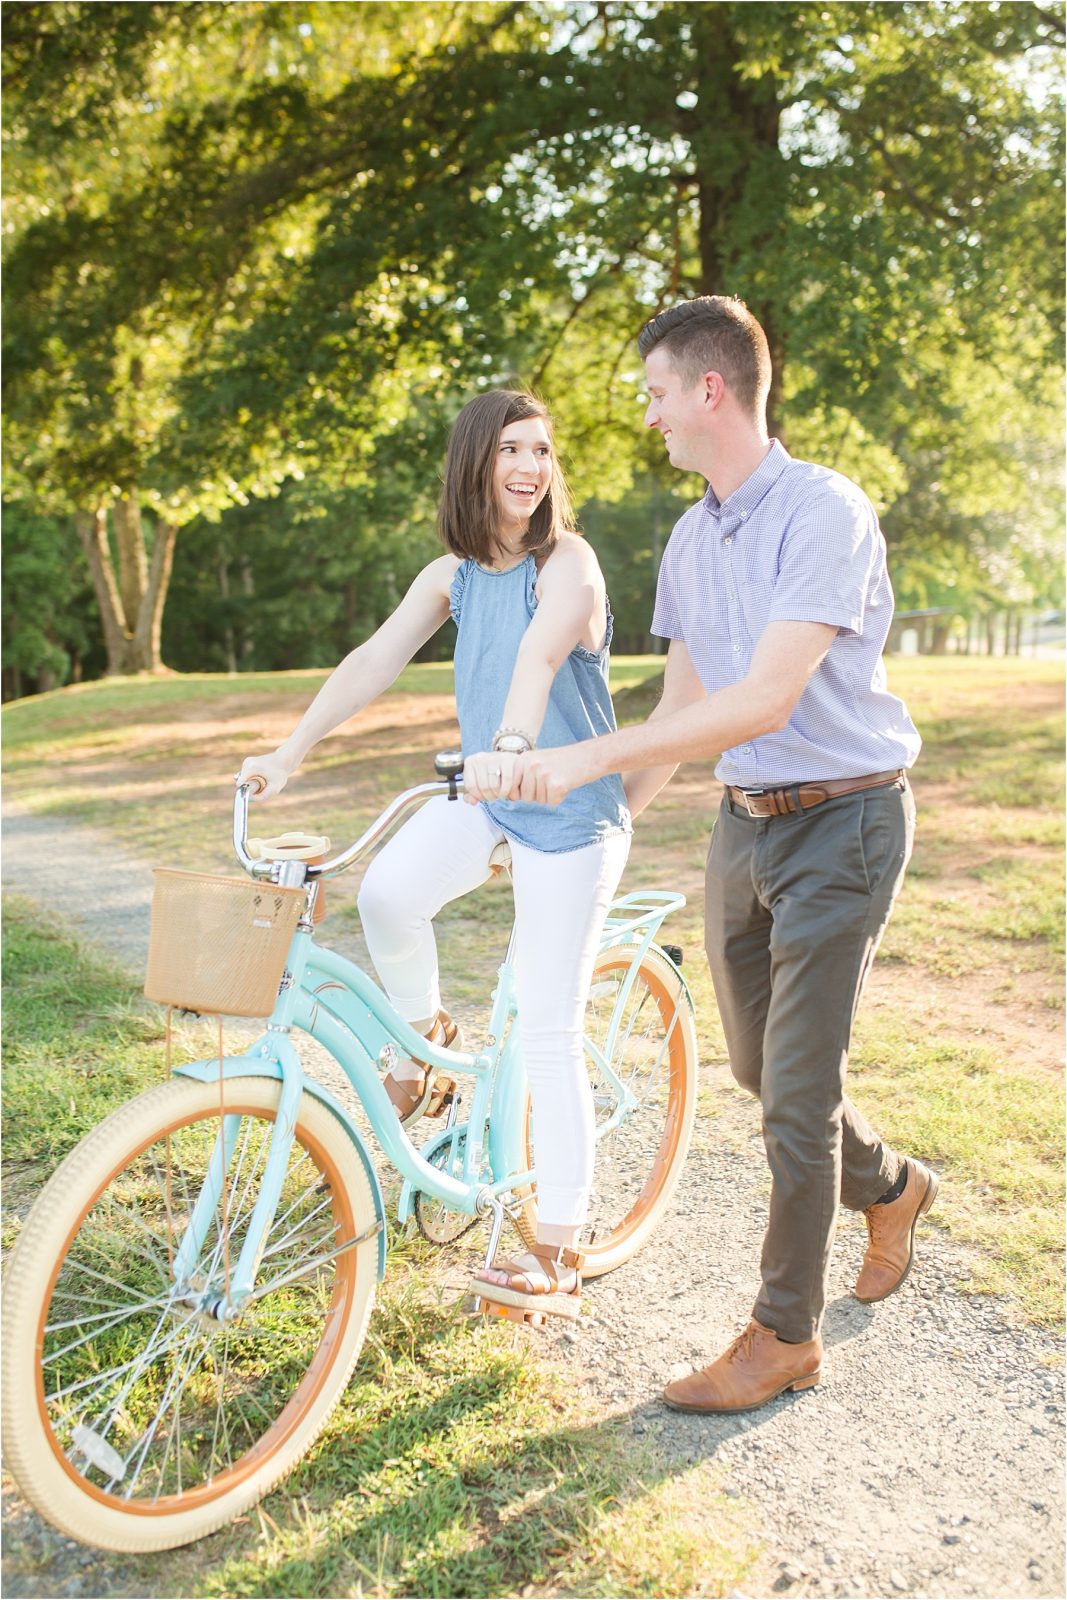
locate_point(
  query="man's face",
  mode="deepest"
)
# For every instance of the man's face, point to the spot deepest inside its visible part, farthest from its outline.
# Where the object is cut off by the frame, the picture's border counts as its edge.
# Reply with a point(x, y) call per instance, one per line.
point(680, 414)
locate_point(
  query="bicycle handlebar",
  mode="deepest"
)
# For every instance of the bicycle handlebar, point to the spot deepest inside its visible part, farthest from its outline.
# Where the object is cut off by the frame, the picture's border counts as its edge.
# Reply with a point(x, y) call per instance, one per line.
point(327, 869)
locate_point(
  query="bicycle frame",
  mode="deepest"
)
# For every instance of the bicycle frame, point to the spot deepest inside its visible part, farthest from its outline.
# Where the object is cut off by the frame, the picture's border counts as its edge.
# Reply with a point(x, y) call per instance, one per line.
point(339, 1005)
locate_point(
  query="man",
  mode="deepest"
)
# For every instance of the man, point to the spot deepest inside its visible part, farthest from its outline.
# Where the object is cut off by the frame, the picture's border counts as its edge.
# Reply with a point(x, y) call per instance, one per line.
point(774, 595)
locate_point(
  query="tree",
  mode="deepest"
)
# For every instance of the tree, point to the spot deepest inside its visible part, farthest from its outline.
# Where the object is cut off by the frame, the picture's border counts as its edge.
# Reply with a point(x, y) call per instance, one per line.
point(330, 223)
point(50, 626)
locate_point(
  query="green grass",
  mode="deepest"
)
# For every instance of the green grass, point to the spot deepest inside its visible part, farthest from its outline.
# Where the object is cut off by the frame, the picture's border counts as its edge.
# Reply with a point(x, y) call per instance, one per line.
point(455, 1464)
point(994, 1129)
point(77, 1042)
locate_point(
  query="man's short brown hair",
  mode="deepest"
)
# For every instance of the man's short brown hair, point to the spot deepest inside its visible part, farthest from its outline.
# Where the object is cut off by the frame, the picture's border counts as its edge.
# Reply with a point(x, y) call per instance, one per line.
point(714, 333)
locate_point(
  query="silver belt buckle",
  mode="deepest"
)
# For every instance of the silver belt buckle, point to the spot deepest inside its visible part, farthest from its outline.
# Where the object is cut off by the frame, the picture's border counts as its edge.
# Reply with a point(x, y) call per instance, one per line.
point(756, 794)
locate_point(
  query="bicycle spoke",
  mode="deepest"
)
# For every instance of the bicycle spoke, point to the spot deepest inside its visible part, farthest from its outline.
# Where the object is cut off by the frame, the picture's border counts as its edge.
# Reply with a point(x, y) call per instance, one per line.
point(152, 1397)
point(94, 1333)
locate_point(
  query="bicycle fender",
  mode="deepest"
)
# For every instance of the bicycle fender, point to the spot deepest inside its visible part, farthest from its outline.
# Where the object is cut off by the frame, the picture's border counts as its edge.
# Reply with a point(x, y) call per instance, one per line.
point(207, 1071)
point(679, 974)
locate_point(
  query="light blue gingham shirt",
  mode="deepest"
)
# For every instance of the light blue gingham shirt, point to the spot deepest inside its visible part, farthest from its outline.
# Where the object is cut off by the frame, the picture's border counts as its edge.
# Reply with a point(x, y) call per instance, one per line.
point(794, 543)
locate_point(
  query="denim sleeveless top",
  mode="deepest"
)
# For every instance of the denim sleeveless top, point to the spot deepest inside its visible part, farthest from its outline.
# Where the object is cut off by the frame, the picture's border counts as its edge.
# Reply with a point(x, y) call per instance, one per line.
point(492, 611)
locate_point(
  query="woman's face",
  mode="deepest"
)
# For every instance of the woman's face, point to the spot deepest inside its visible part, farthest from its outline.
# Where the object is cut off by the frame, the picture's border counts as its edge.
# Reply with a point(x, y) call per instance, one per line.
point(523, 472)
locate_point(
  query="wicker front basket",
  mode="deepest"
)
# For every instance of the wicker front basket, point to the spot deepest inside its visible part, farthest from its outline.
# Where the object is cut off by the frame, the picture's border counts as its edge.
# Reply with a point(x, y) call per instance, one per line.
point(219, 944)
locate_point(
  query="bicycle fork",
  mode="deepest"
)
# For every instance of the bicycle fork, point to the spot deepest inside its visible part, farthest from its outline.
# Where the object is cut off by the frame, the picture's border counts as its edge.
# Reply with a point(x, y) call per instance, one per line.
point(225, 1306)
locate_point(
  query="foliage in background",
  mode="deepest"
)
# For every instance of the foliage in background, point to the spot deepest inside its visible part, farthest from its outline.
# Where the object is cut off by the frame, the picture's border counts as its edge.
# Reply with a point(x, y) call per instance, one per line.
point(265, 247)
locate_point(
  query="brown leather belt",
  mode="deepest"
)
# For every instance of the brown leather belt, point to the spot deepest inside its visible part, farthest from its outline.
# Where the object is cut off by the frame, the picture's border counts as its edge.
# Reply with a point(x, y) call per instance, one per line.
point(782, 802)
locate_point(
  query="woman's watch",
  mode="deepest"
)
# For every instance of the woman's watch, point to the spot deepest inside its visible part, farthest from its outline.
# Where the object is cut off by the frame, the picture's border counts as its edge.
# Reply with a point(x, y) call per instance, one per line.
point(511, 742)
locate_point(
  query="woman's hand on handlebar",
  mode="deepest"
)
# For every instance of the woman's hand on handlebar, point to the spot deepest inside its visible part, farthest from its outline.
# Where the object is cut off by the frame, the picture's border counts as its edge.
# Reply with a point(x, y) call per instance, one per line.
point(490, 775)
point(267, 775)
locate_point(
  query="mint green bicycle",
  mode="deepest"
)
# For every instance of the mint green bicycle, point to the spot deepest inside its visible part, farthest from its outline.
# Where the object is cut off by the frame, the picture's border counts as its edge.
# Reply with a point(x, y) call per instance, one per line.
point(191, 1291)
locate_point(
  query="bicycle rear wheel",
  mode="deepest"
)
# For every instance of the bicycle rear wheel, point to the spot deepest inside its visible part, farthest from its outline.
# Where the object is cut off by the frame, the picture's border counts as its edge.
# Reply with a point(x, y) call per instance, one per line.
point(653, 1053)
point(133, 1418)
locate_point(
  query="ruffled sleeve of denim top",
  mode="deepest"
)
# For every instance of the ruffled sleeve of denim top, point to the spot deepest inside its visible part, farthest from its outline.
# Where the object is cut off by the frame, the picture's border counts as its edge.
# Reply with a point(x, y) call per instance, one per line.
point(492, 611)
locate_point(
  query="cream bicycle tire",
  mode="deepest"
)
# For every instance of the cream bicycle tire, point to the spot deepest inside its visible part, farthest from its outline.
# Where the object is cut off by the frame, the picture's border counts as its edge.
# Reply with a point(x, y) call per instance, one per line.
point(115, 1159)
point(623, 1219)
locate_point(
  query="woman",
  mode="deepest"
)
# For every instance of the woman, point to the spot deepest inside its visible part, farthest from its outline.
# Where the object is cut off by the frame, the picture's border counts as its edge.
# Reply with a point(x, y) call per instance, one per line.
point(531, 662)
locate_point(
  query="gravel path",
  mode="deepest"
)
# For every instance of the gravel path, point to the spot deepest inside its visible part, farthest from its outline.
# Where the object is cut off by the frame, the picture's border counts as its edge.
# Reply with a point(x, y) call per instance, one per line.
point(930, 1461)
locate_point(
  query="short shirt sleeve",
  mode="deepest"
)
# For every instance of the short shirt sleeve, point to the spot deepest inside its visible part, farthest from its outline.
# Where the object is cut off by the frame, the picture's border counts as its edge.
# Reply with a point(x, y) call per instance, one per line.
point(666, 618)
point(828, 559)
point(455, 593)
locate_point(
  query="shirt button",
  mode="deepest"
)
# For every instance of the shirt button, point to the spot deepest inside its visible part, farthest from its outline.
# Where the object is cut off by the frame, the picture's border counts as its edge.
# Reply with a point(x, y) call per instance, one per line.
point(737, 648)
point(743, 515)
point(729, 539)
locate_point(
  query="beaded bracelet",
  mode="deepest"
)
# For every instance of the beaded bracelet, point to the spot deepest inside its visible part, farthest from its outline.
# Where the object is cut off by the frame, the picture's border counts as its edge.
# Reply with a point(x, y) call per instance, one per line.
point(504, 740)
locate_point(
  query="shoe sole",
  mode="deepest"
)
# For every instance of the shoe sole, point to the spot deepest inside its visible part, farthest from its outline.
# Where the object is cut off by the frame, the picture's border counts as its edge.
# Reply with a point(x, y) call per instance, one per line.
point(732, 1411)
point(924, 1206)
point(542, 1305)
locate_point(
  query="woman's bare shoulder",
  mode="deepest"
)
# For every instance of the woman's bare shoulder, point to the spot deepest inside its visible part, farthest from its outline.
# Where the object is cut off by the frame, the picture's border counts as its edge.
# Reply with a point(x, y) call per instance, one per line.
point(573, 556)
point(440, 572)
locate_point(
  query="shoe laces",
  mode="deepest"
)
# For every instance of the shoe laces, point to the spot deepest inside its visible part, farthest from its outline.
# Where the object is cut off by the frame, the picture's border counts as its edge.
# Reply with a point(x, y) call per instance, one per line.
point(742, 1345)
point(874, 1217)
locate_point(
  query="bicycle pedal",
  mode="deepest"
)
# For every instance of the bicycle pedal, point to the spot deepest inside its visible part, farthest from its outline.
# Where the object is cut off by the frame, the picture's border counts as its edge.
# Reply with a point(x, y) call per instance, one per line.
point(516, 1314)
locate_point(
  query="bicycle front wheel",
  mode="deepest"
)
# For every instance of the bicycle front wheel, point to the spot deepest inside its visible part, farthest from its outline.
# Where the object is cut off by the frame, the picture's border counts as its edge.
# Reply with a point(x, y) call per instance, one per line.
point(134, 1419)
point(647, 1037)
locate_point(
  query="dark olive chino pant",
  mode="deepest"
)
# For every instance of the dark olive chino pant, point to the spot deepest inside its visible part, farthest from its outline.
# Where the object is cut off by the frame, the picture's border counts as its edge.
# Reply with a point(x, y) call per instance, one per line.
point(795, 908)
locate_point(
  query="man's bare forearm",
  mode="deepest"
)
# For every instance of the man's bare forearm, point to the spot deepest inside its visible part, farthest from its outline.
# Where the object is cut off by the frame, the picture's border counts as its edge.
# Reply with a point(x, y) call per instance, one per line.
point(651, 749)
point(696, 732)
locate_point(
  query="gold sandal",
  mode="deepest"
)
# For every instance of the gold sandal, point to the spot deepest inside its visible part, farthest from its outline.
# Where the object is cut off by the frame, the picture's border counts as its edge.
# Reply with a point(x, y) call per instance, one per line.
point(424, 1092)
point(529, 1297)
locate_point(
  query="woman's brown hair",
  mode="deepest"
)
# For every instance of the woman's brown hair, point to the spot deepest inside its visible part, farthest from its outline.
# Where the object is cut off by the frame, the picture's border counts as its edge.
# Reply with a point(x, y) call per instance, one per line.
point(467, 515)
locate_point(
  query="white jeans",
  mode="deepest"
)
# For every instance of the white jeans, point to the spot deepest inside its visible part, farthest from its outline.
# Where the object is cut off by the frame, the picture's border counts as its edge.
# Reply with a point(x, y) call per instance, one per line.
point(560, 905)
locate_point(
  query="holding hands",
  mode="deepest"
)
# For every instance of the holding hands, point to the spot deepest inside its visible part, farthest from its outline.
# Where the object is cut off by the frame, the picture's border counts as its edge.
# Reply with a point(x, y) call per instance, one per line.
point(546, 777)
point(490, 775)
point(543, 777)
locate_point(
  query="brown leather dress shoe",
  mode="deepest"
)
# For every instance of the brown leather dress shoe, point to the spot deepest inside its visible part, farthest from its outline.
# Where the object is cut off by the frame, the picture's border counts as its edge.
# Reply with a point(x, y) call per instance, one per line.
point(891, 1235)
point(757, 1367)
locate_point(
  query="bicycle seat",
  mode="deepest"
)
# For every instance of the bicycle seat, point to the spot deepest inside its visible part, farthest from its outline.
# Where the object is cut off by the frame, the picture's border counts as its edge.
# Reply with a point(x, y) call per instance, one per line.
point(289, 847)
point(500, 860)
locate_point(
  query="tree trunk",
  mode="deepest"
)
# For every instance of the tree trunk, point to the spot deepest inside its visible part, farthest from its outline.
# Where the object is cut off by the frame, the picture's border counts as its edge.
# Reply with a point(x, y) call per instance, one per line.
point(740, 116)
point(227, 632)
point(92, 532)
point(148, 634)
point(939, 633)
point(136, 648)
point(133, 560)
point(248, 641)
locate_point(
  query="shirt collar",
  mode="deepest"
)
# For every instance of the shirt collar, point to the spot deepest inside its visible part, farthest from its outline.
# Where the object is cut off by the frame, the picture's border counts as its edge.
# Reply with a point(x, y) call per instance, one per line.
point(747, 496)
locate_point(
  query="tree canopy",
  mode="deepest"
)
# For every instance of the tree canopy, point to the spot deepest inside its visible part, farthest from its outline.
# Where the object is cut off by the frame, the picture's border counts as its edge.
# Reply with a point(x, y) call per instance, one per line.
point(258, 254)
